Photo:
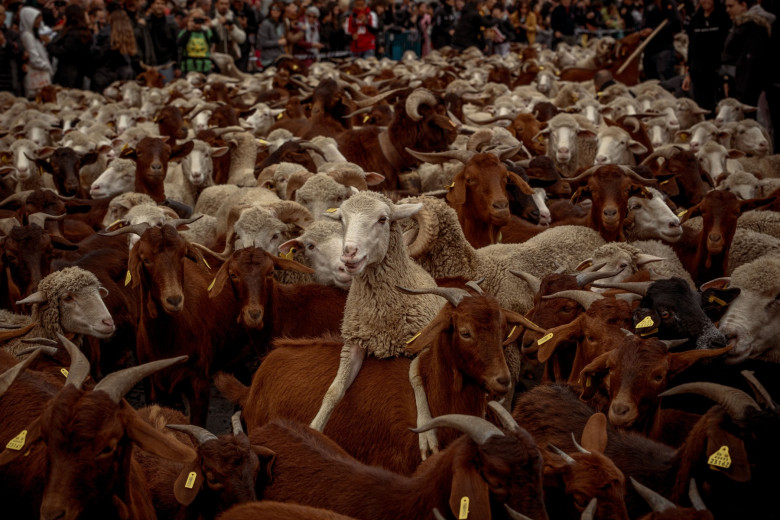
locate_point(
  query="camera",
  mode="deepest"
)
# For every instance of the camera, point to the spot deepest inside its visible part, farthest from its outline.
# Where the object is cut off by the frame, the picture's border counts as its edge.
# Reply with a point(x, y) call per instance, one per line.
point(199, 20)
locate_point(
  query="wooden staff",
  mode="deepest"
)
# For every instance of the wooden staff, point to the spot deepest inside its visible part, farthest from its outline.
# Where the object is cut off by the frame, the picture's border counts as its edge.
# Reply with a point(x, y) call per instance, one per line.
point(642, 46)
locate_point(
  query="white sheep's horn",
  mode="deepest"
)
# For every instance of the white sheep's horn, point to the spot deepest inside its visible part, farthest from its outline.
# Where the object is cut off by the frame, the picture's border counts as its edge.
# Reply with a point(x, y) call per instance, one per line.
point(9, 376)
point(590, 511)
point(565, 456)
point(474, 285)
point(40, 218)
point(454, 295)
point(644, 258)
point(640, 288)
point(479, 430)
point(116, 385)
point(693, 494)
point(36, 297)
point(533, 282)
point(79, 365)
point(657, 502)
point(514, 515)
point(201, 435)
point(138, 229)
point(584, 298)
point(235, 422)
point(577, 445)
point(507, 421)
point(419, 97)
point(462, 156)
point(584, 279)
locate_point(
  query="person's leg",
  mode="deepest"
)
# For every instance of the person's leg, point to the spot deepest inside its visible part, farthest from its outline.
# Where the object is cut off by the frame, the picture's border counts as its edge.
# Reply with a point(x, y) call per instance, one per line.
point(665, 64)
point(649, 66)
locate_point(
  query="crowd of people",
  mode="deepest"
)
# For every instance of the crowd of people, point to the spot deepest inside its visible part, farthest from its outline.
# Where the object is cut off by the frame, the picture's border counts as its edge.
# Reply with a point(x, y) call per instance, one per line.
point(91, 43)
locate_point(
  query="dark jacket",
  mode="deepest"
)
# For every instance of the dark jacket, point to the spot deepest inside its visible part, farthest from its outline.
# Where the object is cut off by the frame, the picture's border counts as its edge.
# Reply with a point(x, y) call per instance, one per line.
point(163, 31)
point(70, 47)
point(10, 62)
point(653, 16)
point(468, 30)
point(110, 64)
point(746, 59)
point(443, 22)
point(562, 19)
point(706, 36)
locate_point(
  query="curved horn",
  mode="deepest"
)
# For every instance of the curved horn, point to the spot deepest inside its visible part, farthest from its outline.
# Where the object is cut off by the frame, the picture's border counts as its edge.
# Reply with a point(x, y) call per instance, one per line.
point(666, 153)
point(116, 385)
point(584, 298)
point(562, 454)
point(479, 138)
point(79, 366)
point(478, 429)
point(533, 282)
point(673, 343)
point(463, 156)
point(369, 102)
point(634, 175)
point(364, 110)
point(490, 119)
point(415, 99)
point(584, 279)
point(351, 178)
point(224, 255)
point(437, 515)
point(9, 376)
point(696, 500)
point(633, 287)
point(507, 421)
point(734, 401)
point(49, 351)
point(40, 218)
point(577, 445)
point(20, 197)
point(634, 121)
point(453, 295)
point(474, 285)
point(176, 222)
point(291, 212)
point(201, 435)
point(428, 230)
point(514, 515)
point(138, 229)
point(760, 392)
point(584, 175)
point(227, 130)
point(235, 421)
point(656, 502)
point(590, 511)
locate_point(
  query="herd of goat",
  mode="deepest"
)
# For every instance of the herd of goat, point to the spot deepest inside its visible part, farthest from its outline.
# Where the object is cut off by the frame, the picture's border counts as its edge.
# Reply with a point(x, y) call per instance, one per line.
point(455, 288)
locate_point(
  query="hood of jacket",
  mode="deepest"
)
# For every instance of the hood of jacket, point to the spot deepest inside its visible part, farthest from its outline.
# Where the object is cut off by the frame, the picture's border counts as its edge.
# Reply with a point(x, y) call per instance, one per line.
point(757, 15)
point(27, 18)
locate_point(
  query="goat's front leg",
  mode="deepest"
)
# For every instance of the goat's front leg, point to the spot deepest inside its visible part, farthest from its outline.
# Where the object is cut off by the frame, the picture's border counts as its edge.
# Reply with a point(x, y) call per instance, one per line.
point(429, 444)
point(349, 365)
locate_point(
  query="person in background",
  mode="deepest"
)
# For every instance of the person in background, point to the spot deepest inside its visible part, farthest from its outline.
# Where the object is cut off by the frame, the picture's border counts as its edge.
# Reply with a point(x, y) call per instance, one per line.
point(115, 52)
point(270, 37)
point(293, 30)
point(424, 27)
point(246, 17)
point(311, 35)
point(562, 22)
point(163, 30)
point(196, 43)
point(443, 24)
point(658, 60)
point(10, 57)
point(230, 34)
point(468, 30)
point(38, 69)
point(630, 15)
point(332, 34)
point(707, 33)
point(362, 25)
point(383, 16)
point(502, 31)
point(746, 58)
point(70, 46)
point(97, 18)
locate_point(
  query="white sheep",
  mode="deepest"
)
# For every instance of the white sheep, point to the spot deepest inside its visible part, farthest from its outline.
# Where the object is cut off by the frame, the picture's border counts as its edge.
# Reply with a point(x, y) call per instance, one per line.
point(118, 178)
point(766, 222)
point(197, 169)
point(68, 302)
point(752, 321)
point(650, 219)
point(615, 146)
point(731, 109)
point(121, 204)
point(570, 145)
point(713, 156)
point(630, 258)
point(212, 198)
point(750, 137)
point(318, 247)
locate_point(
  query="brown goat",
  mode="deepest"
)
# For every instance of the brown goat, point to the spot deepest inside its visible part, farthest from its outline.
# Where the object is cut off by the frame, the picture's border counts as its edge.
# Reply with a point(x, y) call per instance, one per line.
point(171, 124)
point(680, 176)
point(64, 166)
point(268, 510)
point(151, 157)
point(464, 362)
point(489, 465)
point(86, 457)
point(525, 128)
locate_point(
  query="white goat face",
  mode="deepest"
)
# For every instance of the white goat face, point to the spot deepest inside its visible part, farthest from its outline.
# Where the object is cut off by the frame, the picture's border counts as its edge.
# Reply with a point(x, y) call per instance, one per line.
point(751, 324)
point(539, 197)
point(113, 181)
point(83, 312)
point(653, 219)
point(197, 166)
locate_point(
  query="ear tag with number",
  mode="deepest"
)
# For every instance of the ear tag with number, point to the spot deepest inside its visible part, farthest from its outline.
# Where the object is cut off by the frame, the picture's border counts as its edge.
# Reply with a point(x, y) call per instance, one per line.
point(17, 443)
point(463, 513)
point(645, 323)
point(715, 299)
point(721, 458)
point(544, 339)
point(128, 277)
point(331, 210)
point(191, 478)
point(64, 372)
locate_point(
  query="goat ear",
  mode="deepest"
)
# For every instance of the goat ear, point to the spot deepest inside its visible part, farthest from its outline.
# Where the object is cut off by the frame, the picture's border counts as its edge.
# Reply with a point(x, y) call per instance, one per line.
point(401, 211)
point(692, 212)
point(592, 374)
point(195, 255)
point(219, 281)
point(679, 361)
point(128, 153)
point(134, 267)
point(469, 490)
point(518, 323)
point(267, 457)
point(291, 265)
point(520, 183)
point(180, 151)
point(747, 205)
point(582, 191)
point(717, 438)
point(429, 334)
point(457, 194)
point(188, 483)
point(43, 163)
point(219, 151)
point(594, 436)
point(152, 440)
point(89, 158)
point(560, 334)
point(33, 435)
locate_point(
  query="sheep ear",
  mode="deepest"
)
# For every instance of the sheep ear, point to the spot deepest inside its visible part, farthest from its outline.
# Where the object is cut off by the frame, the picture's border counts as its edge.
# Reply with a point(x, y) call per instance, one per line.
point(520, 183)
point(36, 297)
point(401, 211)
point(188, 484)
point(33, 435)
point(372, 179)
point(428, 335)
point(219, 151)
point(291, 265)
point(267, 457)
point(594, 436)
point(290, 244)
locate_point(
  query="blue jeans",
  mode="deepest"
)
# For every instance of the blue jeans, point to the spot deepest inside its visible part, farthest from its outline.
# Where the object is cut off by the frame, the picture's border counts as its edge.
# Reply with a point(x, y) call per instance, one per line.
point(365, 54)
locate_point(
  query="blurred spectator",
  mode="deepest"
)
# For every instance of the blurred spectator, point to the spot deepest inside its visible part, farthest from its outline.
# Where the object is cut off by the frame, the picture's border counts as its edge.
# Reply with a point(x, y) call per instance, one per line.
point(97, 18)
point(163, 30)
point(443, 24)
point(196, 43)
point(362, 26)
point(70, 46)
point(311, 34)
point(631, 16)
point(10, 57)
point(424, 27)
point(658, 60)
point(115, 52)
point(502, 31)
point(746, 58)
point(562, 23)
point(707, 33)
point(39, 71)
point(249, 22)
point(332, 34)
point(612, 18)
point(230, 34)
point(270, 36)
point(468, 30)
point(383, 17)
point(292, 27)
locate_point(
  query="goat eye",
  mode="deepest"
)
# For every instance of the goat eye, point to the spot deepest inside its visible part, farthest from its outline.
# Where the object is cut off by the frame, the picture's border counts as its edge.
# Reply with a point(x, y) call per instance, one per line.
point(382, 220)
point(465, 334)
point(107, 451)
point(665, 314)
point(658, 378)
point(147, 261)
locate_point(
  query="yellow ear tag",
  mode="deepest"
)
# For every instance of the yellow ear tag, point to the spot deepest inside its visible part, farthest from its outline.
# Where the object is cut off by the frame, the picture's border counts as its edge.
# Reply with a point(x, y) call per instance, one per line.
point(544, 339)
point(281, 115)
point(715, 299)
point(366, 118)
point(588, 382)
point(207, 264)
point(500, 236)
point(128, 277)
point(414, 337)
point(26, 453)
point(211, 285)
point(664, 182)
point(511, 332)
point(289, 255)
point(541, 68)
point(331, 210)
point(464, 508)
point(649, 332)
point(645, 323)
point(262, 141)
point(64, 372)
point(721, 458)
point(450, 186)
point(17, 443)
point(126, 145)
point(191, 480)
point(683, 212)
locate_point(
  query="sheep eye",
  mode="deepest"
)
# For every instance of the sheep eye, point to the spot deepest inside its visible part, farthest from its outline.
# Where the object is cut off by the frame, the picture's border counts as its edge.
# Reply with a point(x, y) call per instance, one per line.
point(68, 298)
point(382, 220)
point(276, 235)
point(310, 247)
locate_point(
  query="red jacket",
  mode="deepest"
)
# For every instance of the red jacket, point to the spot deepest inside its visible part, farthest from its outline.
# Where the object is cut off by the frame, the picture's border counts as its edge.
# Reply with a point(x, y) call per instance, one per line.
point(365, 29)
